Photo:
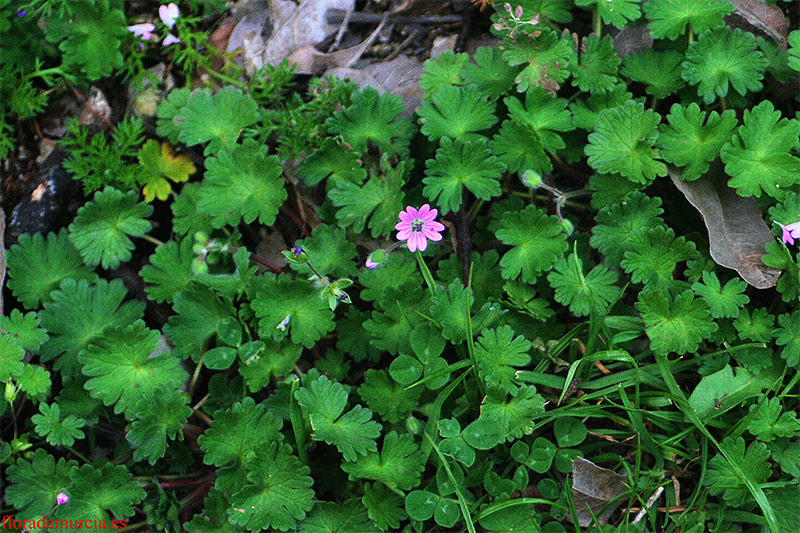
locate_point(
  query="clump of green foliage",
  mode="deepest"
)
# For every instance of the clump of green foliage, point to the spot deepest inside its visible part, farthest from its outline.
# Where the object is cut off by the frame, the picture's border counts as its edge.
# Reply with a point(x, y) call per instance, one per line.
point(572, 309)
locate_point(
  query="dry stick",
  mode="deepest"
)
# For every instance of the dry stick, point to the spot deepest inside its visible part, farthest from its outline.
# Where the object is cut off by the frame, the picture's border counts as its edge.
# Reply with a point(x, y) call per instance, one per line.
point(650, 502)
point(336, 16)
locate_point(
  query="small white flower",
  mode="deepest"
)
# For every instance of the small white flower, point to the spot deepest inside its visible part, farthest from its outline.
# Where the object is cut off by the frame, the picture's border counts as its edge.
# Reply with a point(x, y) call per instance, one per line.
point(284, 323)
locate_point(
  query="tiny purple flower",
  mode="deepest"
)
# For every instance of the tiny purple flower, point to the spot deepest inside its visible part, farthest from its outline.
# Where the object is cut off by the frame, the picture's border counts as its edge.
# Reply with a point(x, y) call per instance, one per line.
point(144, 31)
point(170, 39)
point(417, 226)
point(62, 498)
point(790, 232)
point(297, 250)
point(169, 14)
point(370, 264)
point(21, 12)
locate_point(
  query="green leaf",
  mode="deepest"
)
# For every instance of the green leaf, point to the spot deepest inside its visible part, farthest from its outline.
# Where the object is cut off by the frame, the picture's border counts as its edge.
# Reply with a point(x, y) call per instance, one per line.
point(655, 254)
point(275, 359)
point(597, 69)
point(450, 310)
point(769, 421)
point(34, 482)
point(384, 507)
point(517, 147)
point(692, 141)
point(58, 432)
point(498, 352)
point(101, 492)
point(169, 271)
point(309, 317)
point(387, 398)
point(330, 517)
point(216, 119)
point(398, 465)
point(728, 388)
point(241, 184)
point(794, 50)
point(538, 241)
point(37, 266)
point(721, 58)
point(160, 416)
point(620, 226)
point(779, 257)
point(615, 12)
point(461, 164)
point(756, 326)
point(669, 18)
point(78, 314)
point(123, 365)
point(456, 112)
point(757, 157)
point(659, 71)
point(333, 162)
point(11, 355)
point(585, 112)
point(515, 413)
point(582, 293)
point(24, 329)
point(545, 56)
point(722, 479)
point(103, 227)
point(569, 431)
point(788, 336)
point(723, 302)
point(277, 493)
point(92, 37)
point(197, 312)
point(161, 164)
point(353, 433)
point(674, 325)
point(373, 117)
point(622, 142)
point(187, 220)
point(544, 115)
point(490, 74)
point(330, 252)
point(379, 200)
point(443, 70)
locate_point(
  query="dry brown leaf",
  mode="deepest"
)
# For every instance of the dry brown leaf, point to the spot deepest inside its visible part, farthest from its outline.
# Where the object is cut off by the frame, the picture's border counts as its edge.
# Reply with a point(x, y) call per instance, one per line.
point(736, 231)
point(593, 488)
point(758, 16)
point(309, 60)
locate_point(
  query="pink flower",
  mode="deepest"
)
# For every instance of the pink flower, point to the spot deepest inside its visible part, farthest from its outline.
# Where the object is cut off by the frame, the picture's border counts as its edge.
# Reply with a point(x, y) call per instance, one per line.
point(417, 226)
point(145, 31)
point(370, 264)
point(170, 39)
point(790, 232)
point(169, 14)
point(62, 498)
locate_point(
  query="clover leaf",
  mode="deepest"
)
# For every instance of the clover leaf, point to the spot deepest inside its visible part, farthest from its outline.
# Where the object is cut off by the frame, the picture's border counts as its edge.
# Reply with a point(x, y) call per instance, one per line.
point(757, 157)
point(722, 479)
point(241, 184)
point(538, 241)
point(398, 465)
point(721, 58)
point(456, 112)
point(723, 302)
point(58, 431)
point(461, 164)
point(160, 164)
point(291, 307)
point(123, 369)
point(216, 119)
point(669, 18)
point(674, 325)
point(160, 416)
point(353, 433)
point(101, 232)
point(582, 293)
point(692, 141)
point(622, 142)
point(596, 71)
point(37, 265)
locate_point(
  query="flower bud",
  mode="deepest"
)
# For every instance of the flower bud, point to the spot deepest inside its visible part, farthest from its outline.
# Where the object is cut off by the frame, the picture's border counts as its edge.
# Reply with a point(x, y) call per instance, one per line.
point(296, 255)
point(531, 179)
point(567, 226)
point(201, 237)
point(375, 259)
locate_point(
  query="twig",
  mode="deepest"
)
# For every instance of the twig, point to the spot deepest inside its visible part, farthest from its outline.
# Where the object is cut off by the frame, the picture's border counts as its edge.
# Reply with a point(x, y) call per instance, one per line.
point(336, 16)
point(650, 501)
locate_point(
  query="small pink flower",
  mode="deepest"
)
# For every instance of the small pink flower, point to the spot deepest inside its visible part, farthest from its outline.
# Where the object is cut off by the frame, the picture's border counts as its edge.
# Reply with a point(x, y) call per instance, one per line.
point(144, 31)
point(170, 39)
point(417, 226)
point(790, 232)
point(169, 14)
point(62, 498)
point(370, 264)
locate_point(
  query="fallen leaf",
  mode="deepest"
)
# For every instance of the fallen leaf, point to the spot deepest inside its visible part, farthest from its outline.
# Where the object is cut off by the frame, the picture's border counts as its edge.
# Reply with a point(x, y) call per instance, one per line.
point(632, 40)
point(736, 231)
point(758, 16)
point(729, 387)
point(309, 60)
point(594, 488)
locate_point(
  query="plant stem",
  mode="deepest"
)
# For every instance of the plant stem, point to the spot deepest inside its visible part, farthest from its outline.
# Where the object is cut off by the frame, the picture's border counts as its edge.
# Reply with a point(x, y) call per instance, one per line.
point(426, 274)
point(149, 238)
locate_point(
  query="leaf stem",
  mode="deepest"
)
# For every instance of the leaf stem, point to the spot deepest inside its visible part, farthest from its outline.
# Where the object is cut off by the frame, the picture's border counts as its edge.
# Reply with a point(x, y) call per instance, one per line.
point(426, 274)
point(152, 239)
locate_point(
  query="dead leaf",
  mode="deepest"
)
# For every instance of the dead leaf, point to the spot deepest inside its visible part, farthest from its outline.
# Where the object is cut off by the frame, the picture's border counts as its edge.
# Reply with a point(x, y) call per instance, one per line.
point(295, 25)
point(309, 60)
point(632, 40)
point(736, 231)
point(758, 16)
point(399, 76)
point(593, 488)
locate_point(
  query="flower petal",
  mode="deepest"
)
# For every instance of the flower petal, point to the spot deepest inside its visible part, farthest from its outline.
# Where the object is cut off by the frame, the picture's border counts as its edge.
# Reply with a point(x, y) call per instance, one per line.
point(169, 14)
point(404, 234)
point(422, 242)
point(435, 226)
point(402, 225)
point(431, 234)
point(170, 39)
